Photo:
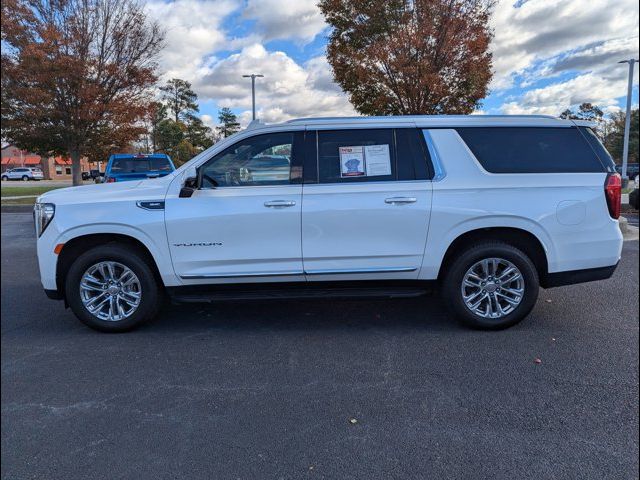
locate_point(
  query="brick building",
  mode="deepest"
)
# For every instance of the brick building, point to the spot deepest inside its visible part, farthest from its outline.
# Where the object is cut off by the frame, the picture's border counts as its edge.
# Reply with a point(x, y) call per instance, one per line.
point(53, 168)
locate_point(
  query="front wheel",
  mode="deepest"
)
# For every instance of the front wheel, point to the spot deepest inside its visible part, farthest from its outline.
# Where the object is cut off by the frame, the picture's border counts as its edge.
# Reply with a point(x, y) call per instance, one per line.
point(112, 288)
point(25, 178)
point(491, 286)
point(4, 178)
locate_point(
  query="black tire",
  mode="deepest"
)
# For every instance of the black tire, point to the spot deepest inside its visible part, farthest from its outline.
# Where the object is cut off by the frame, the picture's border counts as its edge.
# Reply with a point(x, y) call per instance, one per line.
point(456, 270)
point(151, 296)
point(25, 178)
point(5, 178)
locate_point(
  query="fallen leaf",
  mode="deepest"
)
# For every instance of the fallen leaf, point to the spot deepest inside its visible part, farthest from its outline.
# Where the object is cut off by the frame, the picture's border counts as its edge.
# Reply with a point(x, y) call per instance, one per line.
point(353, 421)
point(553, 339)
point(548, 300)
point(538, 361)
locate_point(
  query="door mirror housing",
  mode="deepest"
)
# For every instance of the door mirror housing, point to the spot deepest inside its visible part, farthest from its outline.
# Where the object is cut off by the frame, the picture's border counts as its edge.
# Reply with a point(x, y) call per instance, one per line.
point(190, 185)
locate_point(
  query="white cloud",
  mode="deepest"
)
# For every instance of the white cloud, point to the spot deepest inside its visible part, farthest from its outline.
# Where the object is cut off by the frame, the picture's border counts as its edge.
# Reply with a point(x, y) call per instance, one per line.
point(193, 31)
point(287, 90)
point(528, 37)
point(278, 19)
point(555, 98)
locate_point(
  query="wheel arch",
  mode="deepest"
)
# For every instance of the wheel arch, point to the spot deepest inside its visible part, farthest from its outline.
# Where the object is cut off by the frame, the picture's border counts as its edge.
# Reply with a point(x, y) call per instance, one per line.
point(82, 243)
point(519, 238)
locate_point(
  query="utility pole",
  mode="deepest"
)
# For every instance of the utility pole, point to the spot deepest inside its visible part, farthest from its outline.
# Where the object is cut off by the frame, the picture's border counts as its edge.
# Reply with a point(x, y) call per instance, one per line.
point(627, 122)
point(253, 77)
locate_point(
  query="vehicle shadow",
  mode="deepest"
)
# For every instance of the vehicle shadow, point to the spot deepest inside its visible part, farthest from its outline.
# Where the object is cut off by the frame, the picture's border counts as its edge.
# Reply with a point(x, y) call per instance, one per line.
point(427, 312)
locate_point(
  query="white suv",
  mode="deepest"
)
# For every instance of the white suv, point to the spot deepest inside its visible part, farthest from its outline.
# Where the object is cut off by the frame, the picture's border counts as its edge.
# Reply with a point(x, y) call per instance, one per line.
point(488, 208)
point(23, 173)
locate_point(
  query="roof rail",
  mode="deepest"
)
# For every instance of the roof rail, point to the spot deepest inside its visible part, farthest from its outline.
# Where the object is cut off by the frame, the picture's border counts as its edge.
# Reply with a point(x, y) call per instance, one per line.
point(409, 117)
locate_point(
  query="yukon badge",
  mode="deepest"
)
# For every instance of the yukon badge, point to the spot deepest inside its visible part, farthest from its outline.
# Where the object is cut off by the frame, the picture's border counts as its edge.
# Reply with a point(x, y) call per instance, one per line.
point(198, 244)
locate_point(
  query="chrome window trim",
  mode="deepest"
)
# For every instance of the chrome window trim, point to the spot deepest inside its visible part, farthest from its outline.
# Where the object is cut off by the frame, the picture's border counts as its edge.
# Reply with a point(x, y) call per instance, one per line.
point(439, 172)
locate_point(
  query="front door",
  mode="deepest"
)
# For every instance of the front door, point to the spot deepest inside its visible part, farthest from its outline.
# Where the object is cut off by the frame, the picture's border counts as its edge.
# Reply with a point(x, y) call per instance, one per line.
point(244, 221)
point(368, 214)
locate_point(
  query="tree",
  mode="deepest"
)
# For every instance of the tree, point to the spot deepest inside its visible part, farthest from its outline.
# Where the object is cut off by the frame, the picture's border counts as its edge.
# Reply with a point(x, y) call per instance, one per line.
point(197, 133)
point(228, 122)
point(586, 111)
point(179, 98)
point(614, 140)
point(76, 75)
point(410, 56)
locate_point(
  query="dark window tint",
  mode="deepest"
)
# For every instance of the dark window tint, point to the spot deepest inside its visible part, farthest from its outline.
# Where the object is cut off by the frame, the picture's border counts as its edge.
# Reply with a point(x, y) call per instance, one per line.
point(413, 157)
point(355, 155)
point(260, 160)
point(597, 146)
point(139, 165)
point(161, 164)
point(531, 150)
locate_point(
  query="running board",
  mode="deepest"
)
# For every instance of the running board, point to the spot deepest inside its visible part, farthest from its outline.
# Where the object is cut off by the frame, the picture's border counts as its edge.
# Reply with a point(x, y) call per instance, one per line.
point(177, 295)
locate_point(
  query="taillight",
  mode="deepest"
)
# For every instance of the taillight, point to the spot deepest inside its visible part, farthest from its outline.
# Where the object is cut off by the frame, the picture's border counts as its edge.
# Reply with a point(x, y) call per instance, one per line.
point(111, 180)
point(613, 194)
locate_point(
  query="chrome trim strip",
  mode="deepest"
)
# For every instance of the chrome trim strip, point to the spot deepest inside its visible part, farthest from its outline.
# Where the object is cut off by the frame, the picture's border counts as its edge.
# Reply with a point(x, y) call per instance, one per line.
point(306, 272)
point(360, 270)
point(439, 172)
point(240, 275)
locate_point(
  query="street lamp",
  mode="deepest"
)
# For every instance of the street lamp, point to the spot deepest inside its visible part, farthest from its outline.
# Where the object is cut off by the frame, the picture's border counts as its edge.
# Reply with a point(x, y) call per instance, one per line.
point(627, 122)
point(253, 77)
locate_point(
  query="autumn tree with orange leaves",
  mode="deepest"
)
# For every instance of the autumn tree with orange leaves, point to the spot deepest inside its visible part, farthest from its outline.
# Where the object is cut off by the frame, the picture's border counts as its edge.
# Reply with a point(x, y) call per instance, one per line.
point(403, 57)
point(76, 75)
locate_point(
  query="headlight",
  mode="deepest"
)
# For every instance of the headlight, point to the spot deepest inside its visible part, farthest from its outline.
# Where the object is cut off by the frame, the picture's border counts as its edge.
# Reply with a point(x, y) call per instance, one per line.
point(43, 214)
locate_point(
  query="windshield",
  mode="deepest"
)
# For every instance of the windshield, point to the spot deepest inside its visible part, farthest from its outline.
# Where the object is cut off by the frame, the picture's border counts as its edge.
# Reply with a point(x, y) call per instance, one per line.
point(140, 165)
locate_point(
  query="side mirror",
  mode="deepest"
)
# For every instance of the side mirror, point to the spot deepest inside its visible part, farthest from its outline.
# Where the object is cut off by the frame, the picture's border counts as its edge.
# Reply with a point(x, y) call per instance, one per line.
point(190, 185)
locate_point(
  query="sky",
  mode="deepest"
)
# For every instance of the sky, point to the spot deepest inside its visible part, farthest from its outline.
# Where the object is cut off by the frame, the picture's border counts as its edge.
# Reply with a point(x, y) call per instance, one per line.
point(548, 55)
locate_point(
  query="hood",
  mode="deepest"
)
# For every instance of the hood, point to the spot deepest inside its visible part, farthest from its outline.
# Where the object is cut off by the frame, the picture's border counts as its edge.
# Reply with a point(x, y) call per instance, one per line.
point(108, 192)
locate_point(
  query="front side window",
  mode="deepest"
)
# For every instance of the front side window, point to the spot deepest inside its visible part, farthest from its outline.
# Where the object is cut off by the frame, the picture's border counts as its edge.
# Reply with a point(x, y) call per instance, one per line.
point(356, 155)
point(531, 149)
point(255, 161)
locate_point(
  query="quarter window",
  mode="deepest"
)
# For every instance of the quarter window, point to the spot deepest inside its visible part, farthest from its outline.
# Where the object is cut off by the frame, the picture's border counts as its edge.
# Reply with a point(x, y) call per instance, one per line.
point(259, 160)
point(531, 149)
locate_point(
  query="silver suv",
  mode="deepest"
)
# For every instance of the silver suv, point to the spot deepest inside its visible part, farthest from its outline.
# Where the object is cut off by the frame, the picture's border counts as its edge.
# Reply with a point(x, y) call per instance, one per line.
point(23, 173)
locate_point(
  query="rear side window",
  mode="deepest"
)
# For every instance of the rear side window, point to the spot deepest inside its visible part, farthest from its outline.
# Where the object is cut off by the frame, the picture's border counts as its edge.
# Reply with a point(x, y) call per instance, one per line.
point(356, 155)
point(531, 150)
point(597, 146)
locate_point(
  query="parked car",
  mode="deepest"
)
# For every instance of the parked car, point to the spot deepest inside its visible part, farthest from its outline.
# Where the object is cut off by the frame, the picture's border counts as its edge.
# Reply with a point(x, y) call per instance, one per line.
point(632, 170)
point(488, 208)
point(23, 173)
point(122, 167)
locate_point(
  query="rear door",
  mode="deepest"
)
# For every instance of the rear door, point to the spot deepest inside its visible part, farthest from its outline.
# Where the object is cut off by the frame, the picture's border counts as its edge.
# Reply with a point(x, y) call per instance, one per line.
point(366, 207)
point(243, 223)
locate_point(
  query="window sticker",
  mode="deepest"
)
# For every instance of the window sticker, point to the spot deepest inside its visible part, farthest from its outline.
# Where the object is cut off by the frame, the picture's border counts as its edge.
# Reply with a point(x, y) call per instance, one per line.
point(352, 162)
point(378, 160)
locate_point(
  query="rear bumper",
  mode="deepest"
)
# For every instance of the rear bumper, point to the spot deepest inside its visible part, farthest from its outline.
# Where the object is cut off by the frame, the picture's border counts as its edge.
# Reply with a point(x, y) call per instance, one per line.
point(572, 277)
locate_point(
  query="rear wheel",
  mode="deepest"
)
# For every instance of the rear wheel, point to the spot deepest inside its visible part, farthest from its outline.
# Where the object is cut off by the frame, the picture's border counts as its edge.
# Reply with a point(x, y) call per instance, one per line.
point(491, 286)
point(25, 178)
point(112, 288)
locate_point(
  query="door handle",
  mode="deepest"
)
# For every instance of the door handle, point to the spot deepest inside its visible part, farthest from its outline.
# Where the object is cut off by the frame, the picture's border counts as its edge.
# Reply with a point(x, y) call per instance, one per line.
point(279, 203)
point(400, 200)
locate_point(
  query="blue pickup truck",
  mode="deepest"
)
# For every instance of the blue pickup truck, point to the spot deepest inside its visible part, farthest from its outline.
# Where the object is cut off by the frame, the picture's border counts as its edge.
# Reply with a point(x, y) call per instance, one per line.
point(122, 167)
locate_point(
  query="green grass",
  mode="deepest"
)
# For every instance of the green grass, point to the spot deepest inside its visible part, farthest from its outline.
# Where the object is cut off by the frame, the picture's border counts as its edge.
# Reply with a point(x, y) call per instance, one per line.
point(19, 201)
point(21, 191)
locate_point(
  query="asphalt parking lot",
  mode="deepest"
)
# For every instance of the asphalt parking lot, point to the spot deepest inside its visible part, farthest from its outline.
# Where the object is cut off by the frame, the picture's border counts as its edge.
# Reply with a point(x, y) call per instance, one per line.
point(270, 390)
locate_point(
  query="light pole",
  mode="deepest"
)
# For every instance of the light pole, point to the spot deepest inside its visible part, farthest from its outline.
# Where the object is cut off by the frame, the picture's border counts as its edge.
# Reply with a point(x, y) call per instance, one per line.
point(627, 122)
point(253, 77)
